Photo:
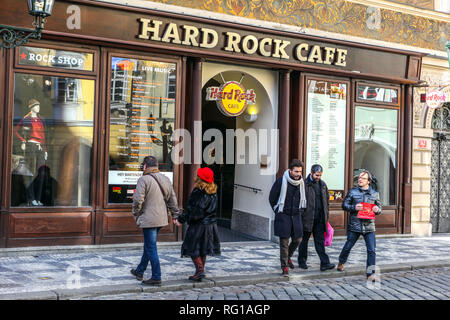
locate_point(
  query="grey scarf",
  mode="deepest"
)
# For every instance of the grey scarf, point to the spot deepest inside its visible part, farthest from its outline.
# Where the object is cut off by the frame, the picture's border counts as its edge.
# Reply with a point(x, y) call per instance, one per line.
point(287, 178)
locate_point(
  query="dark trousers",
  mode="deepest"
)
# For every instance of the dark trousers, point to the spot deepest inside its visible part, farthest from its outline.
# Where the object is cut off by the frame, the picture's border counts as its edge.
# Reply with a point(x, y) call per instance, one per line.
point(319, 244)
point(287, 250)
point(150, 253)
point(369, 238)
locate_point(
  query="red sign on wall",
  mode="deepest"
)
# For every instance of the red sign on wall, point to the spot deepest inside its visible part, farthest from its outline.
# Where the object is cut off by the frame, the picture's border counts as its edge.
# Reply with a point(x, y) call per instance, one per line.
point(422, 143)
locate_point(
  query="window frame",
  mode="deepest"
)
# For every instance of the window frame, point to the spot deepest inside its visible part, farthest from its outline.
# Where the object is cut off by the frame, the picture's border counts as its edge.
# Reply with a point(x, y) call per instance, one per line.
point(348, 128)
point(52, 72)
point(372, 104)
point(177, 169)
point(378, 85)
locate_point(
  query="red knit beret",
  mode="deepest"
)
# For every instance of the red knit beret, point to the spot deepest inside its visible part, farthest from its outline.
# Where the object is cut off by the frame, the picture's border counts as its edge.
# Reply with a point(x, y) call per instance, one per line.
point(206, 174)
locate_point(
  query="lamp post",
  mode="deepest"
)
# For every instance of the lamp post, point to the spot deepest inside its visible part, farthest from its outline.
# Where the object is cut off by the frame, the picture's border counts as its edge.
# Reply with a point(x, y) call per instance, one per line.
point(14, 36)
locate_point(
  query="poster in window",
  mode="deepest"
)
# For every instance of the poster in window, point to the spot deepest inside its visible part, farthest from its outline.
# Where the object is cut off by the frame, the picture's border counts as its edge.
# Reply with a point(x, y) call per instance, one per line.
point(327, 103)
point(142, 121)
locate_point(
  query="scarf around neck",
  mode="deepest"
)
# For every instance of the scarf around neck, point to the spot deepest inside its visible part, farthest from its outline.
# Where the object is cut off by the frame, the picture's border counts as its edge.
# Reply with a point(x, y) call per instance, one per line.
point(296, 183)
point(151, 170)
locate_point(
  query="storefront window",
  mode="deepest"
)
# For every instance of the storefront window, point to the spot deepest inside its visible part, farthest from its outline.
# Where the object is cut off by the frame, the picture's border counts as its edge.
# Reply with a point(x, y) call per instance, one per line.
point(142, 120)
point(377, 94)
point(327, 105)
point(52, 141)
point(376, 149)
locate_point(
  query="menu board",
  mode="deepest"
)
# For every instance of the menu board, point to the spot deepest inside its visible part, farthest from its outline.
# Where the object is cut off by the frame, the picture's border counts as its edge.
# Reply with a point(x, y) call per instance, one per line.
point(142, 120)
point(327, 103)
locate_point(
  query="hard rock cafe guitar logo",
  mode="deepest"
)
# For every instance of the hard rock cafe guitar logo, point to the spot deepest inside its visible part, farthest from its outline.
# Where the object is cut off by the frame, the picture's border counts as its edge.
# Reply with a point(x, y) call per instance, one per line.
point(231, 98)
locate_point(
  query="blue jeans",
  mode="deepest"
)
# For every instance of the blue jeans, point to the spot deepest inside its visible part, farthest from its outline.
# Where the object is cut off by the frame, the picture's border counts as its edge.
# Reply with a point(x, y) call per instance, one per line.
point(369, 238)
point(150, 253)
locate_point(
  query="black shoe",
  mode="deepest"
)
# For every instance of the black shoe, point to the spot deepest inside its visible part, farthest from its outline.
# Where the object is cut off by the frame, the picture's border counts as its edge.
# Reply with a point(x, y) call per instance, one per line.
point(138, 276)
point(152, 282)
point(303, 265)
point(327, 267)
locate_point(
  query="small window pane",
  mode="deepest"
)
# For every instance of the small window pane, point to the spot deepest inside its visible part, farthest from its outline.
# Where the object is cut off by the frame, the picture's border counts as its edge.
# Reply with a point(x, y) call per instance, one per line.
point(52, 141)
point(376, 149)
point(142, 121)
point(385, 95)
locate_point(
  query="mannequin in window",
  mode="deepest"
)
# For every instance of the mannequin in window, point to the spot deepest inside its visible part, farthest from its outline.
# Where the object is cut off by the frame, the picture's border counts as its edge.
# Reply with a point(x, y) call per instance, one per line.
point(31, 132)
point(43, 188)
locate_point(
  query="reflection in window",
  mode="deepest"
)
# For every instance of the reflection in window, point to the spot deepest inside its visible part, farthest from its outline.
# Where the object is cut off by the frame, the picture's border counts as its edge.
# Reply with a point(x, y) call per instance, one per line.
point(370, 93)
point(376, 149)
point(142, 121)
point(52, 141)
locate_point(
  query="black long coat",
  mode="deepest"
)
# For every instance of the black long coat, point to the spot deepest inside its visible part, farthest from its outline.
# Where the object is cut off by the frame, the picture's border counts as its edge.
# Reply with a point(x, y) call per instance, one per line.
point(308, 216)
point(289, 222)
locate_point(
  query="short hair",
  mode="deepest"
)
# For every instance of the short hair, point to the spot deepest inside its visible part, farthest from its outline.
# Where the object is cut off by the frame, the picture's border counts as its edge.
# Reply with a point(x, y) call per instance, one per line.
point(369, 175)
point(316, 168)
point(295, 163)
point(150, 161)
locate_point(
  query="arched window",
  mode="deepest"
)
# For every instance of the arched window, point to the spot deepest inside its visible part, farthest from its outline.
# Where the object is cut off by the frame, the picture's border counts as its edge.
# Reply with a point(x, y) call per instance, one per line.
point(441, 118)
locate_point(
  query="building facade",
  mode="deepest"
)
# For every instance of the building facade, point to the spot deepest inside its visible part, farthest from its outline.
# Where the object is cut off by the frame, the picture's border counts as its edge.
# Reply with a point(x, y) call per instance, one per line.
point(222, 84)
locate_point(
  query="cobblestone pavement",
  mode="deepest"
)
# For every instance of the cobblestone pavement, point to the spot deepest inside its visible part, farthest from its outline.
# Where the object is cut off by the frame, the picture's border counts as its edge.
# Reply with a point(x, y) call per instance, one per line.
point(423, 284)
point(29, 273)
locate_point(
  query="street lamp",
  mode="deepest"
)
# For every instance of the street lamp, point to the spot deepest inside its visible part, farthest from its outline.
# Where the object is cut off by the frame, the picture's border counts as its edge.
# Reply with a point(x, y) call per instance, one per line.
point(14, 36)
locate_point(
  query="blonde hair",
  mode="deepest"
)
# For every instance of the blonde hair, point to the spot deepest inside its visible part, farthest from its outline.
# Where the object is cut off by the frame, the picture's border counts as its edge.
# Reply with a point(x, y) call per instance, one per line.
point(210, 188)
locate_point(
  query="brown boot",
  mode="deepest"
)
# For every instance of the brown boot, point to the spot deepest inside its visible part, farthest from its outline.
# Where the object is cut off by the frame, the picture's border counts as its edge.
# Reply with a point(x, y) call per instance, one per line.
point(203, 263)
point(340, 267)
point(199, 271)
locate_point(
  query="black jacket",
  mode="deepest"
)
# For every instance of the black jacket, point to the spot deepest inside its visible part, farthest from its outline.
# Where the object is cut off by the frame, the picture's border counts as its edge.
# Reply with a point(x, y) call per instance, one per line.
point(355, 196)
point(308, 216)
point(201, 208)
point(289, 222)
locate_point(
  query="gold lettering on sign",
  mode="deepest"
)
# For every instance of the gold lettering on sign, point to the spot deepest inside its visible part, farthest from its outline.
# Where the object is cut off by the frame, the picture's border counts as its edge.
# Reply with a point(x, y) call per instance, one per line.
point(146, 29)
point(315, 55)
point(329, 55)
point(254, 45)
point(301, 47)
point(207, 34)
point(342, 54)
point(280, 46)
point(171, 33)
point(190, 36)
point(262, 47)
point(232, 41)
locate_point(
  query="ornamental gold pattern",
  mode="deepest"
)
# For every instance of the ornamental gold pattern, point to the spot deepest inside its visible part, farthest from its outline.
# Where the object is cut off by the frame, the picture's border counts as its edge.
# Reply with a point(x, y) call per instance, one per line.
point(336, 16)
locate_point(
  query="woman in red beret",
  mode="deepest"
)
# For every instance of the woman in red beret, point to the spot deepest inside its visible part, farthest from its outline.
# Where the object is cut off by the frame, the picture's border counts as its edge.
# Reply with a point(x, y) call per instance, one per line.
point(202, 237)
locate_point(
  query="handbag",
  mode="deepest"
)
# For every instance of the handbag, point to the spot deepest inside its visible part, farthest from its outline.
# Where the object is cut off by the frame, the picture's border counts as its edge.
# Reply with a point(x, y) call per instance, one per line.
point(328, 235)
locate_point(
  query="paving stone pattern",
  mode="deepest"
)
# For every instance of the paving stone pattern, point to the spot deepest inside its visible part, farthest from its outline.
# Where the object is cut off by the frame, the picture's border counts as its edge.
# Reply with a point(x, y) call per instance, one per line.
point(422, 284)
point(55, 271)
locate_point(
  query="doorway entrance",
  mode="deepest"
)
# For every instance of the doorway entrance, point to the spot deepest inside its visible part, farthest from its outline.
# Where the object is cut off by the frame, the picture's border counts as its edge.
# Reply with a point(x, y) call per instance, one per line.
point(440, 170)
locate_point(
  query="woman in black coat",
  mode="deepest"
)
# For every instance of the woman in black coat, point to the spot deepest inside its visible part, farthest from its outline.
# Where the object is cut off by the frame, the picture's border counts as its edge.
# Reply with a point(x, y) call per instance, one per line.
point(202, 237)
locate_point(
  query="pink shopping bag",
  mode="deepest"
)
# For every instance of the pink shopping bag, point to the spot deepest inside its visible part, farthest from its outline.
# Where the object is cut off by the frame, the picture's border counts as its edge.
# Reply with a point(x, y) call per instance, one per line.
point(328, 235)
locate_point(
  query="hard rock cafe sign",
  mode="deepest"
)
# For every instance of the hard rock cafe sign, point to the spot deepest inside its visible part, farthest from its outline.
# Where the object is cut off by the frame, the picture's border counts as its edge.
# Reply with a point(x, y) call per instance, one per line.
point(231, 98)
point(435, 98)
